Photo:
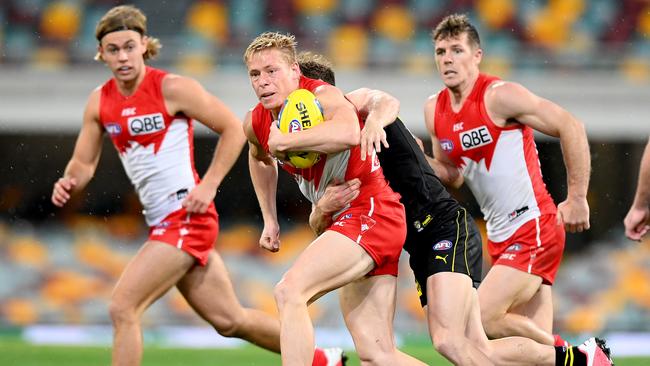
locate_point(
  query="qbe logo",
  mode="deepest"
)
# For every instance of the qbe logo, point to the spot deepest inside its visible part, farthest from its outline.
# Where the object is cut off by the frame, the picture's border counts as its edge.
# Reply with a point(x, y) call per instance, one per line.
point(146, 124)
point(474, 138)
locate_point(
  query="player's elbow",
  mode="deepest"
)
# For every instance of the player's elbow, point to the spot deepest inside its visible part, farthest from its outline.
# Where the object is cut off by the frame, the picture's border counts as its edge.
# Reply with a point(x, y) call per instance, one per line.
point(351, 136)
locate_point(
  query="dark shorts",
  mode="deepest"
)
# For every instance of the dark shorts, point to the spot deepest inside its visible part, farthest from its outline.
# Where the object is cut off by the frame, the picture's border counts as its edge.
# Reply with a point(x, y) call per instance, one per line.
point(451, 246)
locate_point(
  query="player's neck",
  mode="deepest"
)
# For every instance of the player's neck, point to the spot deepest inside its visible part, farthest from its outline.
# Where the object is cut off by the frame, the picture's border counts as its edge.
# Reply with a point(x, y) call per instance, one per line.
point(460, 92)
point(129, 87)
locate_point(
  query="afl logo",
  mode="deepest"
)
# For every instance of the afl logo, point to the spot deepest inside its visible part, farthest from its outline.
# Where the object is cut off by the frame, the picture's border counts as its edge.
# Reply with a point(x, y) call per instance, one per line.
point(113, 129)
point(442, 245)
point(295, 126)
point(446, 145)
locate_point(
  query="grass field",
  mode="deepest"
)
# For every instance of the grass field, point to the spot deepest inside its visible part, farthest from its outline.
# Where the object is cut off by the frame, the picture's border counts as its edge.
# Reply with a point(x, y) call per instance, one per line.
point(15, 353)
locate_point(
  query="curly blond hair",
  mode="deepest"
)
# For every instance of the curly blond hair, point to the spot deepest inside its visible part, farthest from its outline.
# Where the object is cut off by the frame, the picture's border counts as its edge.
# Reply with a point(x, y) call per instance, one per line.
point(285, 43)
point(126, 17)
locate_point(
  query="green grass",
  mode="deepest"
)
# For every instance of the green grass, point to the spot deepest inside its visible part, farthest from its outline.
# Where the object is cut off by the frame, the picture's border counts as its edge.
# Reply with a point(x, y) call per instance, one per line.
point(15, 353)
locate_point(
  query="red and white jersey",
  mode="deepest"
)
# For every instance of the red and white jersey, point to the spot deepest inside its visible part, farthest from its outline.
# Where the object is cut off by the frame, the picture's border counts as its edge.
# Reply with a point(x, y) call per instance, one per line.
point(344, 165)
point(500, 164)
point(156, 149)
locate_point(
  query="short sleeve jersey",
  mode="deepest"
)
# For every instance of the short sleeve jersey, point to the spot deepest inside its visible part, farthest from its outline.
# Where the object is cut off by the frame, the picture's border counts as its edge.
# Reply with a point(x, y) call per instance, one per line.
point(156, 149)
point(344, 165)
point(500, 164)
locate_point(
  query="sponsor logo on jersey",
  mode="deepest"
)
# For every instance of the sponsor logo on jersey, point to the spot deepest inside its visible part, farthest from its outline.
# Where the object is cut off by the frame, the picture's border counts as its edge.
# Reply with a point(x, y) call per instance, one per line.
point(113, 129)
point(457, 127)
point(294, 126)
point(442, 245)
point(420, 225)
point(516, 213)
point(340, 221)
point(475, 137)
point(146, 124)
point(514, 248)
point(158, 232)
point(446, 145)
point(163, 224)
point(508, 256)
point(128, 112)
point(444, 259)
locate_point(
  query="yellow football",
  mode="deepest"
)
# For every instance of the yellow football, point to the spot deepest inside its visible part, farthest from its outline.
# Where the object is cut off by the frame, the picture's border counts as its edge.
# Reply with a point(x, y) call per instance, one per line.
point(301, 111)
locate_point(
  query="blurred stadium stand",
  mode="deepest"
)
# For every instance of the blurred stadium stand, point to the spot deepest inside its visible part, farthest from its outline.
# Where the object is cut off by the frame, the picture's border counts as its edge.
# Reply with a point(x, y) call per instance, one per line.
point(57, 266)
point(199, 34)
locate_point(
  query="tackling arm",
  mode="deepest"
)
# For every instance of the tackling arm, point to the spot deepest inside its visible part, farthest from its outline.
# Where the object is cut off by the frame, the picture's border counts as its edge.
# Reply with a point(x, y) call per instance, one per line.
point(380, 109)
point(337, 195)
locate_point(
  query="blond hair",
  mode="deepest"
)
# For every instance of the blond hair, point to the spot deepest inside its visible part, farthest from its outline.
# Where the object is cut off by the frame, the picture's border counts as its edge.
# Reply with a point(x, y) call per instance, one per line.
point(126, 17)
point(453, 26)
point(285, 43)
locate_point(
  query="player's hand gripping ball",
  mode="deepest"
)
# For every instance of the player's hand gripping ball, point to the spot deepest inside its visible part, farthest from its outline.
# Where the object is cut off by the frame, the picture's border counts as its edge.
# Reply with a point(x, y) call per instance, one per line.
point(301, 111)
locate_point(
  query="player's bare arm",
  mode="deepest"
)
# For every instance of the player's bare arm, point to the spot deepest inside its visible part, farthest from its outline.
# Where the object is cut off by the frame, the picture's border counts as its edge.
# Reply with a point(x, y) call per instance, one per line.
point(264, 175)
point(379, 109)
point(637, 220)
point(444, 168)
point(508, 102)
point(340, 130)
point(186, 95)
point(337, 195)
point(82, 165)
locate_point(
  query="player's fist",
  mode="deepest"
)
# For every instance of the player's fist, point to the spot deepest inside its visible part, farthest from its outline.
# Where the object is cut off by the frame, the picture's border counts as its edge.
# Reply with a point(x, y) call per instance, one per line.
point(270, 239)
point(62, 189)
point(199, 198)
point(637, 223)
point(574, 214)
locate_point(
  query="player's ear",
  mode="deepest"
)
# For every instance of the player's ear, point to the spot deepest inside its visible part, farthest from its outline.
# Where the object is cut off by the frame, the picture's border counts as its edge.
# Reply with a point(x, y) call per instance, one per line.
point(295, 68)
point(144, 40)
point(98, 55)
point(478, 55)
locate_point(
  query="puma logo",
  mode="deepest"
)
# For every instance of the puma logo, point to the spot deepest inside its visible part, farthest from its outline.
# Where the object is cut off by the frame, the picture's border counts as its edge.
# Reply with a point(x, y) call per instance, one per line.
point(444, 259)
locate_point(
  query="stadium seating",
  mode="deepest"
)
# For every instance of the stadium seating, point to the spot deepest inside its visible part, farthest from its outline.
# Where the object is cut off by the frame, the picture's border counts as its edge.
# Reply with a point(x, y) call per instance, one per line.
point(201, 34)
point(62, 274)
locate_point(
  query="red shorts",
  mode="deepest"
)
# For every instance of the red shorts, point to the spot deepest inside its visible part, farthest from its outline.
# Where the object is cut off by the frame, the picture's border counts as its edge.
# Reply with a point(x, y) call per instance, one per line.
point(379, 226)
point(192, 233)
point(536, 247)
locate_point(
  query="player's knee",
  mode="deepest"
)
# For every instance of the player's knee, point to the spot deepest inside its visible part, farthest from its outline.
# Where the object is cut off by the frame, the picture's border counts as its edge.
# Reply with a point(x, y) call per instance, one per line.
point(448, 344)
point(230, 327)
point(286, 292)
point(491, 318)
point(122, 312)
point(492, 325)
